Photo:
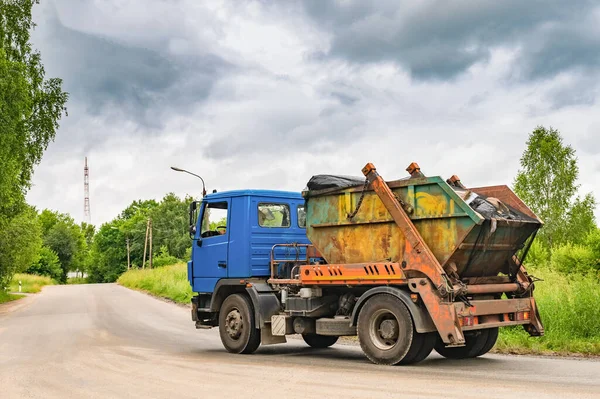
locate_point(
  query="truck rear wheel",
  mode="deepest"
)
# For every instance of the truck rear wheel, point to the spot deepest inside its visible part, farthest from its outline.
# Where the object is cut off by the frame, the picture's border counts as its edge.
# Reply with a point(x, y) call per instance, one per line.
point(420, 348)
point(319, 341)
point(385, 329)
point(491, 341)
point(237, 326)
point(475, 342)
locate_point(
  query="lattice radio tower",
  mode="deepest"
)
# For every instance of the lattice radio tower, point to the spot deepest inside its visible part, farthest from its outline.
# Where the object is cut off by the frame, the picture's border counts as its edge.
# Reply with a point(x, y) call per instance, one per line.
point(86, 192)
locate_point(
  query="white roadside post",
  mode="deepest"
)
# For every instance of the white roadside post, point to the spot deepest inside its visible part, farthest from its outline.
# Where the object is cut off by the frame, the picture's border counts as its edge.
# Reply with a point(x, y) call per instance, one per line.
point(19, 285)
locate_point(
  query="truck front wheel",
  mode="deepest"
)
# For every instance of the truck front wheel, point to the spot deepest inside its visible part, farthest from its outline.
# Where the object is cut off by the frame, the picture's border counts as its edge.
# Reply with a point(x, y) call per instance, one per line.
point(385, 329)
point(237, 326)
point(319, 341)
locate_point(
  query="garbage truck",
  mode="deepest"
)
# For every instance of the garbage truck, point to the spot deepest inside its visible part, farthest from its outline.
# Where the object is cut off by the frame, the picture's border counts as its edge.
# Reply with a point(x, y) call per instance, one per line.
point(409, 266)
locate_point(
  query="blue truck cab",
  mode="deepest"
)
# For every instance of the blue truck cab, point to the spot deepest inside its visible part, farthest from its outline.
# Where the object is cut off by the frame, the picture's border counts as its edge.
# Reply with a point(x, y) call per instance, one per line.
point(232, 234)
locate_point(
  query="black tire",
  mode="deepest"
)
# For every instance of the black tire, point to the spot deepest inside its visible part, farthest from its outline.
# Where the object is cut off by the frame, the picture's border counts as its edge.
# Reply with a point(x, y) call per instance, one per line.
point(474, 343)
point(385, 329)
point(420, 348)
point(319, 341)
point(237, 327)
point(491, 341)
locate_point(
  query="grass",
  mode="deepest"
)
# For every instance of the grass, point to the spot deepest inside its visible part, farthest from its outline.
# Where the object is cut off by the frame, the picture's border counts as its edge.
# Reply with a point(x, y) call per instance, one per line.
point(30, 283)
point(569, 308)
point(167, 282)
point(6, 297)
point(77, 280)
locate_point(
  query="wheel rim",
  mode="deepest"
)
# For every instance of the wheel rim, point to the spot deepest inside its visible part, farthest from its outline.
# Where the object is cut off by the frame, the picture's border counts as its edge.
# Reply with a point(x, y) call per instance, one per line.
point(234, 324)
point(384, 329)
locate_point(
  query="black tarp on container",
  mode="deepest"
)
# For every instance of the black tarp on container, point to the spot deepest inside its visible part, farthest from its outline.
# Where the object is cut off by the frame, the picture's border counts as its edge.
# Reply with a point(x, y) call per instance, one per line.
point(322, 182)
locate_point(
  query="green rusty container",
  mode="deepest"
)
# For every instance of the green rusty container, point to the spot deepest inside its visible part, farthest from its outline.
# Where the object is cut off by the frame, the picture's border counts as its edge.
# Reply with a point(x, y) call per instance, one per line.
point(455, 232)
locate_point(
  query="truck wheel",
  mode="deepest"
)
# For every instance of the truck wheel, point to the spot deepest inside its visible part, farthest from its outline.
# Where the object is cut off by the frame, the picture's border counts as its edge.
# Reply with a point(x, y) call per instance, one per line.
point(474, 343)
point(420, 348)
point(491, 341)
point(319, 341)
point(385, 329)
point(237, 327)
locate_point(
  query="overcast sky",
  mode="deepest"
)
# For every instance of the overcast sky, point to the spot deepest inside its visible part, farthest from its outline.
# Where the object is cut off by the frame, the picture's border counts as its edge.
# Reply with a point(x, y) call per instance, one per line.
point(264, 94)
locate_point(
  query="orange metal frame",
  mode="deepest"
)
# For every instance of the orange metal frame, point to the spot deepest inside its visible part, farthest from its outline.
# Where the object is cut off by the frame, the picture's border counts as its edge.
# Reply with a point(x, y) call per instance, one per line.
point(354, 274)
point(419, 258)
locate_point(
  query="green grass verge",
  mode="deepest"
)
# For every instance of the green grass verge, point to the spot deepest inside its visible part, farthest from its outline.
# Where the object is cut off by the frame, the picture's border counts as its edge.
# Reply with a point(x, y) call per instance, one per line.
point(167, 282)
point(6, 297)
point(77, 280)
point(30, 283)
point(570, 311)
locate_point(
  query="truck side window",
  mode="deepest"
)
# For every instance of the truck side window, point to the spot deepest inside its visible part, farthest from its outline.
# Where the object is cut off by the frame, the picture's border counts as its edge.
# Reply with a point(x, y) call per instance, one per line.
point(214, 219)
point(273, 215)
point(301, 216)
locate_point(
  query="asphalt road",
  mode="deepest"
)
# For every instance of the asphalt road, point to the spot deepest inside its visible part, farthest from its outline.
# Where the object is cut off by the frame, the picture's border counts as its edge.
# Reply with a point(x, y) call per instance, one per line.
point(106, 341)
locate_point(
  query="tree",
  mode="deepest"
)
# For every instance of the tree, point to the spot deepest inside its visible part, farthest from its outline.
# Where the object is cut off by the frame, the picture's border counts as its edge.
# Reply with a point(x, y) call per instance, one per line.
point(66, 239)
point(20, 243)
point(547, 183)
point(109, 256)
point(170, 223)
point(581, 219)
point(48, 264)
point(30, 109)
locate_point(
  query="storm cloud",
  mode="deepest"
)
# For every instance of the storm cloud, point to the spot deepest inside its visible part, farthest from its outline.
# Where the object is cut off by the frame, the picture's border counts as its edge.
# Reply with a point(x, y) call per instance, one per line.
point(264, 94)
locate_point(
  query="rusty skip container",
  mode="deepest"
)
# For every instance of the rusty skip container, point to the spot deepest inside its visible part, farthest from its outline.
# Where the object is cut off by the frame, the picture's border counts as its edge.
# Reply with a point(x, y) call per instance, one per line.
point(474, 233)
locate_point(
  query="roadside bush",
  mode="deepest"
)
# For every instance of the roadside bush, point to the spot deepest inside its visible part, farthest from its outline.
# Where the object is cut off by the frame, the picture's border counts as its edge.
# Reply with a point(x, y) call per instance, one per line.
point(569, 309)
point(164, 258)
point(48, 264)
point(538, 255)
point(570, 258)
point(592, 241)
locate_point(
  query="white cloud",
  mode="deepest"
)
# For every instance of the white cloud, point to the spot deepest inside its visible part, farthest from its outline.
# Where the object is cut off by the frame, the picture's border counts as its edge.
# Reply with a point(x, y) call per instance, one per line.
point(250, 104)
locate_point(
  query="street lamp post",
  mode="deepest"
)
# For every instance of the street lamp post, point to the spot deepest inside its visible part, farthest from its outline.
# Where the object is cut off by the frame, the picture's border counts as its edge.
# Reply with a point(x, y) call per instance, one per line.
point(193, 174)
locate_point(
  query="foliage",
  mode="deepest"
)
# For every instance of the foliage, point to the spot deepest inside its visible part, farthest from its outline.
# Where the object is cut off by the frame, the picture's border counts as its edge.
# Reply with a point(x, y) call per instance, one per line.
point(31, 105)
point(163, 258)
point(170, 224)
point(77, 280)
point(30, 108)
point(167, 282)
point(574, 258)
point(66, 239)
point(538, 254)
point(48, 264)
point(592, 241)
point(547, 183)
point(170, 241)
point(20, 243)
point(581, 219)
point(570, 313)
point(30, 283)
point(6, 297)
point(108, 254)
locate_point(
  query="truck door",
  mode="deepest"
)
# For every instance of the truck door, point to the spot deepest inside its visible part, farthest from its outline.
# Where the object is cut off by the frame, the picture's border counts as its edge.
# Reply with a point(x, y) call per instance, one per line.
point(210, 255)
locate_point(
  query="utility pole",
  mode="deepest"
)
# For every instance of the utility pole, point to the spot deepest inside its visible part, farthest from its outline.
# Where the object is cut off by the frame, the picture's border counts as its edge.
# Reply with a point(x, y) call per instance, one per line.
point(128, 258)
point(146, 244)
point(150, 224)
